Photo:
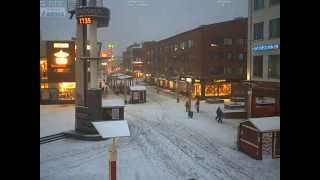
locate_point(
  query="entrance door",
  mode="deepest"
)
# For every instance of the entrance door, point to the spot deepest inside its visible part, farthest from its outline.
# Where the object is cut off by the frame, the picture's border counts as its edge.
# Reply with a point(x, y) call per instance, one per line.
point(250, 141)
point(276, 144)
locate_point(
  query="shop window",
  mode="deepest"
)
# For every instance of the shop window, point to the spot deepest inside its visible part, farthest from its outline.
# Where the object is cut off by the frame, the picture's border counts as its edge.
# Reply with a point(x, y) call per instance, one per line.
point(196, 90)
point(44, 85)
point(66, 90)
point(43, 69)
point(274, 67)
point(171, 85)
point(218, 89)
point(241, 56)
point(265, 100)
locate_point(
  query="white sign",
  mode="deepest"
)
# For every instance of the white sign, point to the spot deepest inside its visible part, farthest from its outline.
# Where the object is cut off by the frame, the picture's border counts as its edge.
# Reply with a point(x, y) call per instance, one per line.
point(52, 12)
point(110, 129)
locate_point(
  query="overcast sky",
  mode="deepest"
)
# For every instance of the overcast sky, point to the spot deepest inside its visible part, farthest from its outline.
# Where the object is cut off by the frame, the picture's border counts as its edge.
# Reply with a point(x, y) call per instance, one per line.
point(150, 20)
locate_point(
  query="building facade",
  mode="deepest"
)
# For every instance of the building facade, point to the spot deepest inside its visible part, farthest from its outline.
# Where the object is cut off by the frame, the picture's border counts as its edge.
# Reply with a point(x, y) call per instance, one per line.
point(211, 57)
point(57, 72)
point(263, 68)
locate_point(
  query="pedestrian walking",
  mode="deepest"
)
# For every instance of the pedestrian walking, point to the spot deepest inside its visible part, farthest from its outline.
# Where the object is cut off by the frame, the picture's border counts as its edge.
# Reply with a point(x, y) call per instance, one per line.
point(187, 106)
point(219, 115)
point(197, 105)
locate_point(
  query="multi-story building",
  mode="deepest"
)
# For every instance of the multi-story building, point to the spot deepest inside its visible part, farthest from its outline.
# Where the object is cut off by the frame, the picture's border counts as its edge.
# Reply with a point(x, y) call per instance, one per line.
point(211, 57)
point(263, 68)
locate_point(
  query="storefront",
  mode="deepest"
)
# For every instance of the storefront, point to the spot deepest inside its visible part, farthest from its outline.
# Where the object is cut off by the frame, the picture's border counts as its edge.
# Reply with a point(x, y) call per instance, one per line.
point(218, 88)
point(57, 72)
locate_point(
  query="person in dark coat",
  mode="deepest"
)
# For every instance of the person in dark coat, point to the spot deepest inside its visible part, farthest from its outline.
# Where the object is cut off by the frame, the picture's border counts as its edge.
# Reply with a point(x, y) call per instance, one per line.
point(187, 106)
point(219, 115)
point(197, 105)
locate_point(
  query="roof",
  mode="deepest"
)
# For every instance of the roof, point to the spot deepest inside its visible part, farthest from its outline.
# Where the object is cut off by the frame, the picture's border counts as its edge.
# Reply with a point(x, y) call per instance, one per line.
point(124, 77)
point(137, 88)
point(266, 124)
point(112, 103)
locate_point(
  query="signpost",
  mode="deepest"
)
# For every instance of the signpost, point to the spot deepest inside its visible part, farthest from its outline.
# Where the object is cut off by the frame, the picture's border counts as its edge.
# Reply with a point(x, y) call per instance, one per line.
point(112, 129)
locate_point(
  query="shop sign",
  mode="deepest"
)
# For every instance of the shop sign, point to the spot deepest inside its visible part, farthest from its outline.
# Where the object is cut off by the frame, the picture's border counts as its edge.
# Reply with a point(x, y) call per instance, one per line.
point(218, 81)
point(189, 80)
point(197, 81)
point(266, 47)
point(183, 79)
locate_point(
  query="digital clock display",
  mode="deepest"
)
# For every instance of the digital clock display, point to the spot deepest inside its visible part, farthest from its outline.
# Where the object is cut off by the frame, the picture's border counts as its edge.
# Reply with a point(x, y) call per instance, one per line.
point(85, 20)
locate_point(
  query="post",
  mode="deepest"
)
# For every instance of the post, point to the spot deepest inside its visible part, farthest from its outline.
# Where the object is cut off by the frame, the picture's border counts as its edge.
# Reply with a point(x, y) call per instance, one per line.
point(249, 103)
point(113, 161)
point(177, 88)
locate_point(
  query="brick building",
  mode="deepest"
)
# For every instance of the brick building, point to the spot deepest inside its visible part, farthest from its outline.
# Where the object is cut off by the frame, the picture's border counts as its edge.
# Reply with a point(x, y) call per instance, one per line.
point(212, 56)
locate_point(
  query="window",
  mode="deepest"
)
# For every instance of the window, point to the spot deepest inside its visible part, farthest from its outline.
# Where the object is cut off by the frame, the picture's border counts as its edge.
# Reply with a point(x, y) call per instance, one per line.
point(182, 45)
point(229, 56)
point(43, 69)
point(241, 56)
point(242, 42)
point(215, 42)
point(258, 4)
point(274, 26)
point(216, 71)
point(274, 67)
point(176, 46)
point(274, 2)
point(227, 41)
point(258, 66)
point(258, 31)
point(190, 43)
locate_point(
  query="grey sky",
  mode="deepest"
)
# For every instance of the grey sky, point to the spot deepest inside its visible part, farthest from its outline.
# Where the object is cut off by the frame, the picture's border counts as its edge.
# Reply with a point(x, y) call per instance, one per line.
point(154, 20)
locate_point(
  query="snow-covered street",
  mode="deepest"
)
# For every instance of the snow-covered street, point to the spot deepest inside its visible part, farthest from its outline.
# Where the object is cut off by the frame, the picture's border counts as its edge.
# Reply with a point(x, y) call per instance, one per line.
point(164, 145)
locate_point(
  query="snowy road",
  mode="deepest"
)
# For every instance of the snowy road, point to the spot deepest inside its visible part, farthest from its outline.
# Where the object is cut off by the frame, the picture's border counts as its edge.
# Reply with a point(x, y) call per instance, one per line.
point(164, 144)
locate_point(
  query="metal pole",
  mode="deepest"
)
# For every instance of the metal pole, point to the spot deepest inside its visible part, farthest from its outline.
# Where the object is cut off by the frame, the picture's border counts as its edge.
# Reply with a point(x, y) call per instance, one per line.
point(250, 59)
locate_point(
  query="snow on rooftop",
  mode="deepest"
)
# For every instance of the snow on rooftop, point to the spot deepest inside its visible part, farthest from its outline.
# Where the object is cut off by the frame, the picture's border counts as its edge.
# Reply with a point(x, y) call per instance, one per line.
point(124, 77)
point(112, 103)
point(266, 123)
point(137, 88)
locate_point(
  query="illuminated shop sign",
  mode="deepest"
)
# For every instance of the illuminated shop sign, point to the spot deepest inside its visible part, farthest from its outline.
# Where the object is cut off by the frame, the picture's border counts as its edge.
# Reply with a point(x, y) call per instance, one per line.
point(60, 45)
point(218, 81)
point(197, 80)
point(61, 57)
point(189, 80)
point(183, 79)
point(266, 47)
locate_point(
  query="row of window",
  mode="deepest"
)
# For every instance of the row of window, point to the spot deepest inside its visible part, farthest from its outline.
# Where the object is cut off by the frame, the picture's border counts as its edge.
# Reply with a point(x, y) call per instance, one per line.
point(273, 67)
point(173, 47)
point(226, 55)
point(259, 4)
point(226, 71)
point(227, 42)
point(274, 29)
